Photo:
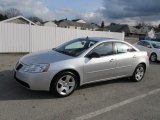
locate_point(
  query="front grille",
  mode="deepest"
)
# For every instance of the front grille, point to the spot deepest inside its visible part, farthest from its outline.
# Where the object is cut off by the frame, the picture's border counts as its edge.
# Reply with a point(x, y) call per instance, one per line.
point(19, 67)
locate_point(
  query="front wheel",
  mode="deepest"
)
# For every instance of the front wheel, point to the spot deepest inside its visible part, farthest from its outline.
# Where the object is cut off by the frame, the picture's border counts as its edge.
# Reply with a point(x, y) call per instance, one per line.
point(153, 57)
point(64, 84)
point(138, 73)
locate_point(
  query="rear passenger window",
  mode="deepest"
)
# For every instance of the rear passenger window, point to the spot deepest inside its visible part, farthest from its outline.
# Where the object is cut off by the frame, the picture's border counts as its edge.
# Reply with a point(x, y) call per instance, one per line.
point(146, 44)
point(123, 48)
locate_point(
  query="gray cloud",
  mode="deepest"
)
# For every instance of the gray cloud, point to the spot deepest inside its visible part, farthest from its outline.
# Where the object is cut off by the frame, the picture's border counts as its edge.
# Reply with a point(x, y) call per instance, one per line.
point(131, 9)
point(121, 11)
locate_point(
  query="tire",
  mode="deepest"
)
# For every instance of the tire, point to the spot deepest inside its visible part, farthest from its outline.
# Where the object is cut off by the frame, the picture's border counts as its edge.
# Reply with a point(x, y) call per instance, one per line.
point(63, 84)
point(138, 73)
point(153, 57)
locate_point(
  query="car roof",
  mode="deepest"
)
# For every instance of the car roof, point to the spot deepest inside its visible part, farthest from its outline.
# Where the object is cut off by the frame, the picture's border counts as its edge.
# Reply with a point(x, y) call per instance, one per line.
point(146, 40)
point(149, 40)
point(100, 39)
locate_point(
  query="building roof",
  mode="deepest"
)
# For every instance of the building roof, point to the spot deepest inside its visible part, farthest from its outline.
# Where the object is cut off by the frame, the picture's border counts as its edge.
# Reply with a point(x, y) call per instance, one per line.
point(122, 28)
point(79, 20)
point(18, 17)
point(75, 20)
point(63, 23)
point(116, 28)
point(48, 21)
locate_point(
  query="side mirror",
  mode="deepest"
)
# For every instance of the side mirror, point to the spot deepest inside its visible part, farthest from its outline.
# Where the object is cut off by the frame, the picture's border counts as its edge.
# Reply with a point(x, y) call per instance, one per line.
point(93, 55)
point(149, 46)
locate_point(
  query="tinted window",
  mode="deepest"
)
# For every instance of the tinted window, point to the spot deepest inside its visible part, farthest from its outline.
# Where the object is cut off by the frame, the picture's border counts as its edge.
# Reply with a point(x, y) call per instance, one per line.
point(123, 48)
point(103, 49)
point(146, 44)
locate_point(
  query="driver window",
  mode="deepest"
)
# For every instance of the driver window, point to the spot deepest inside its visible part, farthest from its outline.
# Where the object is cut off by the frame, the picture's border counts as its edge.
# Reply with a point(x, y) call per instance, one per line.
point(103, 49)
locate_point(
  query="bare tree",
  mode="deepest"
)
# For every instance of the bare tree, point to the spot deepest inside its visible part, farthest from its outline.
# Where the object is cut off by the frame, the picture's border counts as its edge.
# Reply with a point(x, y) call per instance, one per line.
point(2, 16)
point(140, 24)
point(35, 19)
point(12, 12)
point(113, 23)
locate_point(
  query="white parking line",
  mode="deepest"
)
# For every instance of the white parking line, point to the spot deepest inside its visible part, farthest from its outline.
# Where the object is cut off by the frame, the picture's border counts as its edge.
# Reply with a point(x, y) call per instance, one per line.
point(117, 105)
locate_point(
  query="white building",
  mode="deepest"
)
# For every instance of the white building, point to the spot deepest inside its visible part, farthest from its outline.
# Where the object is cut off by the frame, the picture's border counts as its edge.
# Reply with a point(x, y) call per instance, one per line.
point(50, 24)
point(18, 20)
point(79, 21)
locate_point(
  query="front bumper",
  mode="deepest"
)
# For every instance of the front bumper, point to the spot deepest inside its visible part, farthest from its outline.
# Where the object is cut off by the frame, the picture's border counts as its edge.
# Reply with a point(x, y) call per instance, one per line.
point(34, 81)
point(21, 82)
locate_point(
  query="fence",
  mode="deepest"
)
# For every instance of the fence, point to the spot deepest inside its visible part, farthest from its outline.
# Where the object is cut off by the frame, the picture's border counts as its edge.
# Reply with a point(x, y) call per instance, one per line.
point(26, 38)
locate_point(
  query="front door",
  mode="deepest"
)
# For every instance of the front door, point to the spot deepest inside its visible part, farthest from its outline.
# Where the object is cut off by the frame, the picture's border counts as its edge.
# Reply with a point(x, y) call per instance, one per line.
point(100, 68)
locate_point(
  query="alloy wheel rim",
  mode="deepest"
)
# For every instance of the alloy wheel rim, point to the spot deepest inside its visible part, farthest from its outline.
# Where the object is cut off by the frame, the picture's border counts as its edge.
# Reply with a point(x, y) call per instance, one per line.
point(66, 85)
point(153, 57)
point(139, 73)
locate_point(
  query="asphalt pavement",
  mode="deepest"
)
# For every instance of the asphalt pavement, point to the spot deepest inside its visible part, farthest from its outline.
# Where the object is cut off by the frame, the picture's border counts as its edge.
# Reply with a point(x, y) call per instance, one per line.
point(119, 99)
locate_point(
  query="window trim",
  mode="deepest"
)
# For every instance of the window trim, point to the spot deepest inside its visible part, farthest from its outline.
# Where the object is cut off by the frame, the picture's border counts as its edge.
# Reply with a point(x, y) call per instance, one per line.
point(115, 48)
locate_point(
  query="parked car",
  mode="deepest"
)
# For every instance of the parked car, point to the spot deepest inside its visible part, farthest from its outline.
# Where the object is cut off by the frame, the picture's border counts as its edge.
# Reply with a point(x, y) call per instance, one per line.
point(78, 62)
point(152, 47)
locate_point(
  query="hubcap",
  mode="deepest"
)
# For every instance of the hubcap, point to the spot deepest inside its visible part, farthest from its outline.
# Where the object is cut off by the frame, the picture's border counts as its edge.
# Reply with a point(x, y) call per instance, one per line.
point(153, 57)
point(66, 85)
point(139, 73)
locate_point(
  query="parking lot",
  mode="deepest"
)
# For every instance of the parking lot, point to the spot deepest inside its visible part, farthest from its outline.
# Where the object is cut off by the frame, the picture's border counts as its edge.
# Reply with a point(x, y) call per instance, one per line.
point(118, 99)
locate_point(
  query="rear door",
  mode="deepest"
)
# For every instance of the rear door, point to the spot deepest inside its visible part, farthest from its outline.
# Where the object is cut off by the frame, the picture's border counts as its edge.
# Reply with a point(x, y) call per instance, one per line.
point(125, 57)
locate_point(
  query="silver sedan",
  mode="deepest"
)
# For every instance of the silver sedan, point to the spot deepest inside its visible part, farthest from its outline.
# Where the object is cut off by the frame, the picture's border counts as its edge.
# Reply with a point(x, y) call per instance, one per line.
point(81, 61)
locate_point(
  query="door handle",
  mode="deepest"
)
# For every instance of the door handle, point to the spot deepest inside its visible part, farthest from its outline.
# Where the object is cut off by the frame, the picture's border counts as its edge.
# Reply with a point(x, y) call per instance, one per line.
point(111, 60)
point(134, 56)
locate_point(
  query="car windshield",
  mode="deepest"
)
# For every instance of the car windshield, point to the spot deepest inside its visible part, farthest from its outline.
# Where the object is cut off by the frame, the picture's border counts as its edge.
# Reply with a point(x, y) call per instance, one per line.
point(156, 45)
point(75, 47)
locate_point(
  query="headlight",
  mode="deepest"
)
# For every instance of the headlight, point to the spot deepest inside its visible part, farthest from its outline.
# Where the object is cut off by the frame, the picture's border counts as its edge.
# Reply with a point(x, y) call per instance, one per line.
point(37, 68)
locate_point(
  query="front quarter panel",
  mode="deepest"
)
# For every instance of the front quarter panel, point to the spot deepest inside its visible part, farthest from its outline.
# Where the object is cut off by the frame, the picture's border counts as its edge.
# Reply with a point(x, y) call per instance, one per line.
point(75, 64)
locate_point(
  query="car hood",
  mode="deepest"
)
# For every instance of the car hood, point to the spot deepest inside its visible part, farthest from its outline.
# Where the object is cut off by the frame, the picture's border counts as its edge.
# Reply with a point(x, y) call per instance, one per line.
point(48, 56)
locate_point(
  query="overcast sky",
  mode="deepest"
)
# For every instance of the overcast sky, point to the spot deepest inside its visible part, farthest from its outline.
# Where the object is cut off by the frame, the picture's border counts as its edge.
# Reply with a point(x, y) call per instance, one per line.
point(120, 11)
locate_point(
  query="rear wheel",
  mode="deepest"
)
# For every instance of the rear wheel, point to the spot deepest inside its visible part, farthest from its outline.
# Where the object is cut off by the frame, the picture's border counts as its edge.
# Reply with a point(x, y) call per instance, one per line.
point(153, 57)
point(138, 73)
point(64, 84)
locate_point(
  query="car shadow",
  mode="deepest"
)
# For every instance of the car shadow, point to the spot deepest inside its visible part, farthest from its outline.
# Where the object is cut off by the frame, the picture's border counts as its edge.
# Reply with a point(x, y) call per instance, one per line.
point(102, 83)
point(11, 90)
point(154, 63)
